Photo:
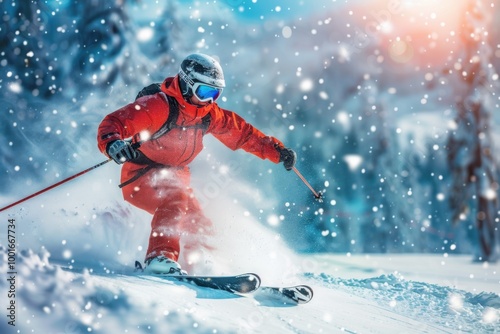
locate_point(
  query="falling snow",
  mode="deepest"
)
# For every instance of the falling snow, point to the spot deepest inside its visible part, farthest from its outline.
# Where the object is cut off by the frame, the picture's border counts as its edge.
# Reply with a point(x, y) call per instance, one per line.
point(391, 106)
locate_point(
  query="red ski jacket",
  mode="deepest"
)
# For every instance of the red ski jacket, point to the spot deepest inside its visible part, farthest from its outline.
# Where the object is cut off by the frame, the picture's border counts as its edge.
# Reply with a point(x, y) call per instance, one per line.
point(179, 146)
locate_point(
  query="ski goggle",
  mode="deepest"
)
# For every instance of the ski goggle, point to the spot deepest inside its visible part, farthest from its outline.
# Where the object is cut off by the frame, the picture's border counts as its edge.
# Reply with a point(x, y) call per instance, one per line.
point(205, 92)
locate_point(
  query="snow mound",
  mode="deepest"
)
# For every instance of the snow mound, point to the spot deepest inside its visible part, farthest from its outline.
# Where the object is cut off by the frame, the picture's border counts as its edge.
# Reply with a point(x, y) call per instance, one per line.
point(53, 298)
point(434, 304)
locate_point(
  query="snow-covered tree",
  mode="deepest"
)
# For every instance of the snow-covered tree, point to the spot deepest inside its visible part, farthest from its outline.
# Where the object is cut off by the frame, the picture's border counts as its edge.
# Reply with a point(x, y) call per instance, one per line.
point(472, 162)
point(54, 56)
point(26, 49)
point(387, 194)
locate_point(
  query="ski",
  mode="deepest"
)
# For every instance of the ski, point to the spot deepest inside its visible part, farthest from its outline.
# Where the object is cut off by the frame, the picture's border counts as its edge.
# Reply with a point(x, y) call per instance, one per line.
point(238, 284)
point(292, 295)
point(244, 284)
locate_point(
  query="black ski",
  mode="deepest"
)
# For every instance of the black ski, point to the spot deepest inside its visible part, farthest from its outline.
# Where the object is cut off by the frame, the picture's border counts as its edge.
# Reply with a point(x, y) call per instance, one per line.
point(244, 284)
point(239, 284)
point(292, 295)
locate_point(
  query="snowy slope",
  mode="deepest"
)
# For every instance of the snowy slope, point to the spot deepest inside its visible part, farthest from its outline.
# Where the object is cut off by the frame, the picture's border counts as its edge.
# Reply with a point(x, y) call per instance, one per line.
point(53, 300)
point(79, 277)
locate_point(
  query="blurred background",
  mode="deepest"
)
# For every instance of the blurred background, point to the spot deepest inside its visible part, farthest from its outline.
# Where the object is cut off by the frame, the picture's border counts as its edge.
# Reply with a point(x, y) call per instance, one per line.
point(391, 105)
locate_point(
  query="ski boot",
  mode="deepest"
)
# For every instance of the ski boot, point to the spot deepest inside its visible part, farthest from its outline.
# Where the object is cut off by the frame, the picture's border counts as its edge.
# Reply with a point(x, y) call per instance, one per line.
point(162, 265)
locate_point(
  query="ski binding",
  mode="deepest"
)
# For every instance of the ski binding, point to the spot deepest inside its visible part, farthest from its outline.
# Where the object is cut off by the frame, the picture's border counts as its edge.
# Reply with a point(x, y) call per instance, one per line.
point(238, 284)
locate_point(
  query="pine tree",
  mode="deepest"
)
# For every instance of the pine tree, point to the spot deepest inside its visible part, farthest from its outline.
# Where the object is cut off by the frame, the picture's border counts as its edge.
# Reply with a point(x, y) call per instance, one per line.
point(470, 144)
point(24, 50)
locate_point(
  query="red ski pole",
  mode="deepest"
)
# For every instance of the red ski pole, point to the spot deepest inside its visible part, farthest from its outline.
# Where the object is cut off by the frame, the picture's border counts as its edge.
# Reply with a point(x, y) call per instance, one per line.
point(55, 185)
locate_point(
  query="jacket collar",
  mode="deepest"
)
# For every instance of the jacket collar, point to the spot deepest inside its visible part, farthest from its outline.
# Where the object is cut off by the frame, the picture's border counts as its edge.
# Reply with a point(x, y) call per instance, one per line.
point(170, 86)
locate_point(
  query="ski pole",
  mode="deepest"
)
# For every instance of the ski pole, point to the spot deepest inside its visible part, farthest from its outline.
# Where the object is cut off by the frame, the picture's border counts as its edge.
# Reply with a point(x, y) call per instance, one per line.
point(317, 195)
point(135, 146)
point(55, 185)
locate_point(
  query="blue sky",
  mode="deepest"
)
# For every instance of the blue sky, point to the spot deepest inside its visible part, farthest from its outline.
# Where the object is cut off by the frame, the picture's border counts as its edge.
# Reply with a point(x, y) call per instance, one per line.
point(255, 9)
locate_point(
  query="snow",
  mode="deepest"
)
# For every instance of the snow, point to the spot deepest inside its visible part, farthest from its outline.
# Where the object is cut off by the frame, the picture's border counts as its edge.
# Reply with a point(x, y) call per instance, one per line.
point(364, 92)
point(355, 294)
point(74, 273)
point(317, 76)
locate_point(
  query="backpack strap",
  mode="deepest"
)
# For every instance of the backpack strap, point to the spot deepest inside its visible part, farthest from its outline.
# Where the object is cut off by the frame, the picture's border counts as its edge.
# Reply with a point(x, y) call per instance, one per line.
point(173, 115)
point(169, 124)
point(205, 122)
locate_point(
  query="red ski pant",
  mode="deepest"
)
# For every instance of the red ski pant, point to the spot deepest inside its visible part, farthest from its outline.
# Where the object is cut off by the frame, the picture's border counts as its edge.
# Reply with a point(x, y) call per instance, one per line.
point(166, 194)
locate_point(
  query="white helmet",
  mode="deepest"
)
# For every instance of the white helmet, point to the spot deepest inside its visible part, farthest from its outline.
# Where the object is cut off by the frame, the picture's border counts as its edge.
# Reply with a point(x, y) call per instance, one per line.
point(201, 75)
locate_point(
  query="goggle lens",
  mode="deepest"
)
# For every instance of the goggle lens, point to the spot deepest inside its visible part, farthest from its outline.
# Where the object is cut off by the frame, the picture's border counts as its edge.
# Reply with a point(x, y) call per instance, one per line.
point(206, 93)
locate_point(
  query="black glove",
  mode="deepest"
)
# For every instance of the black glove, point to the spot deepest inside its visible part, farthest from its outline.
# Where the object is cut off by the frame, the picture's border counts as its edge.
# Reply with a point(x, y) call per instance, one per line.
point(121, 151)
point(288, 157)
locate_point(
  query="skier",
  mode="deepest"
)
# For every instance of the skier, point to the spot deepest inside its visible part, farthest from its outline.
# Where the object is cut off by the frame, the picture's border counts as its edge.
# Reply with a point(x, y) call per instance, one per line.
point(166, 124)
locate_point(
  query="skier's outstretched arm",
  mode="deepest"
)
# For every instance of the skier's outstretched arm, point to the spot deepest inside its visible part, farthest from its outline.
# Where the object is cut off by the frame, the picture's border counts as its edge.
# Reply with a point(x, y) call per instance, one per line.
point(234, 132)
